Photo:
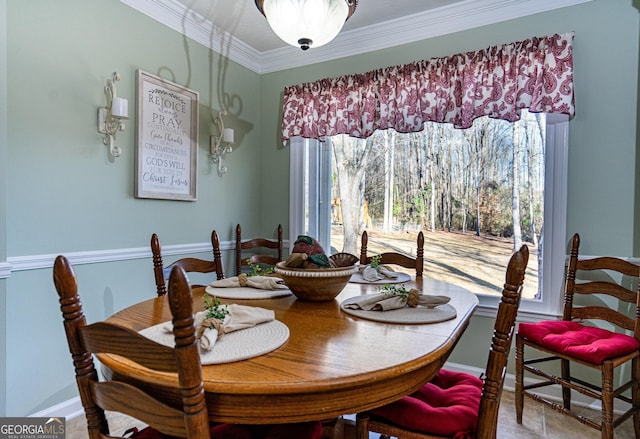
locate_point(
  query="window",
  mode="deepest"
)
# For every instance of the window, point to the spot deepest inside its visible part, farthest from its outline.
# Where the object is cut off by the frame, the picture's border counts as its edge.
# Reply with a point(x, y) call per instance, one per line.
point(311, 211)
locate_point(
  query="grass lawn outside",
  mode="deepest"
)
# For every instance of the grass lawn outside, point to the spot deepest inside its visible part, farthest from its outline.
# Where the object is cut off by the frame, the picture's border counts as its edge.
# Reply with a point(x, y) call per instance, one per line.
point(476, 263)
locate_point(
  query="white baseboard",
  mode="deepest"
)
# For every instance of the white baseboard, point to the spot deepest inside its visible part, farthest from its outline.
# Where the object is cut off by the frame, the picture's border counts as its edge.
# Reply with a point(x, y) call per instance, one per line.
point(68, 409)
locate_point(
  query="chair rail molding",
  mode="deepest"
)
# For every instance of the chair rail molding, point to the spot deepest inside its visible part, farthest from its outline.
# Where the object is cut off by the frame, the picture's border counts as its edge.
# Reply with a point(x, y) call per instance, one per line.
point(45, 261)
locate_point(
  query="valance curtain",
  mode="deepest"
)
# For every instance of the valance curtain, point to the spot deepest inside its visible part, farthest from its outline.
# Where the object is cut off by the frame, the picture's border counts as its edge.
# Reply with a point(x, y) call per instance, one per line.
point(499, 81)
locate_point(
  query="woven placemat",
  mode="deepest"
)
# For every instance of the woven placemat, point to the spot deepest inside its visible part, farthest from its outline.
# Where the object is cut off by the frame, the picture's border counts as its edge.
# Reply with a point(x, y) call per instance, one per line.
point(357, 278)
point(409, 315)
point(235, 346)
point(246, 293)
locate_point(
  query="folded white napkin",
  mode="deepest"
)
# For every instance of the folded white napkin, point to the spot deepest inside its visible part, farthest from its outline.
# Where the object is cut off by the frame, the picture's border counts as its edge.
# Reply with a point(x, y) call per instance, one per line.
point(387, 272)
point(207, 335)
point(372, 274)
point(259, 282)
point(243, 316)
point(386, 302)
point(239, 317)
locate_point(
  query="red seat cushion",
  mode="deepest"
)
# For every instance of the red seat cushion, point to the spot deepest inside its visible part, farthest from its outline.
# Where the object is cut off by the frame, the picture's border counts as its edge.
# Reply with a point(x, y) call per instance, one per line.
point(302, 430)
point(448, 405)
point(593, 345)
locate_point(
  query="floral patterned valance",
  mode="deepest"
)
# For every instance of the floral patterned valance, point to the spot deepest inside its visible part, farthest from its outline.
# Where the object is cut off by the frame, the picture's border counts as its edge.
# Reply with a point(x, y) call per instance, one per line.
point(499, 81)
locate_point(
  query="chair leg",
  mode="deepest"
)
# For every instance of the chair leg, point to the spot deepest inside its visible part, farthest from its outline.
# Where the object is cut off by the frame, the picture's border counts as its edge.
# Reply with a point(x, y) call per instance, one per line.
point(362, 426)
point(565, 371)
point(607, 400)
point(333, 428)
point(519, 397)
point(635, 395)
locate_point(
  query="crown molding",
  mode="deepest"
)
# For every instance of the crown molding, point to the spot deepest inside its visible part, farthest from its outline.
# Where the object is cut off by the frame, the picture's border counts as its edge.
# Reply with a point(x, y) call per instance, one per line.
point(436, 22)
point(176, 16)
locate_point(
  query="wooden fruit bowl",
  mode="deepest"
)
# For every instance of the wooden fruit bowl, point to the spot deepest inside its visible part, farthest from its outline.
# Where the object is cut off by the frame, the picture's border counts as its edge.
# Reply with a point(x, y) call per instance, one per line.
point(315, 284)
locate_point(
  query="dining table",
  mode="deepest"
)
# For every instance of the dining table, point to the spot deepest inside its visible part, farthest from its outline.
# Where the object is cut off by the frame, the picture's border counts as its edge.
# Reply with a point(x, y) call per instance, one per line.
point(333, 362)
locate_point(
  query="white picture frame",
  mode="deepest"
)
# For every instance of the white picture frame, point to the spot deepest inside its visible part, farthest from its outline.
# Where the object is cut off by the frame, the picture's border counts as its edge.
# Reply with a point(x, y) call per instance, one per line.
point(166, 151)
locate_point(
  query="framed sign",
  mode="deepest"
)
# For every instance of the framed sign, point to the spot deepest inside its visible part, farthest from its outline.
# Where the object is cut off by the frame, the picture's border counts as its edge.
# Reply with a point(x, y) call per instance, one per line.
point(166, 139)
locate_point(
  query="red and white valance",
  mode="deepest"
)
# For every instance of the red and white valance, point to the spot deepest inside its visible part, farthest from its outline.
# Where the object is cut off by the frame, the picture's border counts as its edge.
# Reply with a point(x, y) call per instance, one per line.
point(499, 81)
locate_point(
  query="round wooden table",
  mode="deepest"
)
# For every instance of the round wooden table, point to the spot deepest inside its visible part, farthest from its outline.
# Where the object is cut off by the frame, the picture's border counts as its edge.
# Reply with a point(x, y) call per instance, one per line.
point(332, 364)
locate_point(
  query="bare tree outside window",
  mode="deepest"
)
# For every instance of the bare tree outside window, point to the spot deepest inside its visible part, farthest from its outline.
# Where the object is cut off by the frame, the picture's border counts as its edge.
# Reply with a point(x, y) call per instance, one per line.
point(477, 194)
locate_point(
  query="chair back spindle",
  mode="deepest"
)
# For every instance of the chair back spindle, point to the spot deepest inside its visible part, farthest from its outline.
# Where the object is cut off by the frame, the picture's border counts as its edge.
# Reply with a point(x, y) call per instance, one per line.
point(501, 344)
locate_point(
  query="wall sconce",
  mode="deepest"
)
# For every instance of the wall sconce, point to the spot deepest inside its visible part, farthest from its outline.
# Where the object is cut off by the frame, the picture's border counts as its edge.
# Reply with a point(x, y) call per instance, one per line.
point(110, 118)
point(221, 144)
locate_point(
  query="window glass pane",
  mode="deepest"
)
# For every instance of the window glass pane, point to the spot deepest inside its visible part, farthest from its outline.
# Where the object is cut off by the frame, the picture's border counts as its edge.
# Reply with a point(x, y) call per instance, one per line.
point(477, 194)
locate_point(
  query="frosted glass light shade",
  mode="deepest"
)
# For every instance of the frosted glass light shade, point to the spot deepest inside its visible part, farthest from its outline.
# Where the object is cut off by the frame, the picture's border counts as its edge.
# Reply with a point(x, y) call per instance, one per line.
point(227, 135)
point(120, 108)
point(306, 23)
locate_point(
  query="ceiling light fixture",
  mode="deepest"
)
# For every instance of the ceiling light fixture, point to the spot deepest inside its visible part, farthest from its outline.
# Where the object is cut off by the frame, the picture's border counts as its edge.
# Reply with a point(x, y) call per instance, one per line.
point(306, 23)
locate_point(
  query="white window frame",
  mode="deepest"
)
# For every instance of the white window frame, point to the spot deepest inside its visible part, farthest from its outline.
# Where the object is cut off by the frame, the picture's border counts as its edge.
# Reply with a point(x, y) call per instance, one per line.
point(310, 167)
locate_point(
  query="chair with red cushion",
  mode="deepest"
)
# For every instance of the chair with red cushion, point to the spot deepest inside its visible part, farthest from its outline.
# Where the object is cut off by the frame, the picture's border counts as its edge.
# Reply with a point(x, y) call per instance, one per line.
point(188, 420)
point(456, 404)
point(591, 286)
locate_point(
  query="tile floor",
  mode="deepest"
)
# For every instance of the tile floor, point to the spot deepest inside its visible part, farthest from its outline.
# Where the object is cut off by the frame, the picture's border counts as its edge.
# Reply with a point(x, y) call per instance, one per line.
point(539, 422)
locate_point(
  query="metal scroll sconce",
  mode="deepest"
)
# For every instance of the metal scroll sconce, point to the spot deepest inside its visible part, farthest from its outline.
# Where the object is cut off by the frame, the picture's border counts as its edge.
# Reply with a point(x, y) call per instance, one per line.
point(221, 144)
point(111, 117)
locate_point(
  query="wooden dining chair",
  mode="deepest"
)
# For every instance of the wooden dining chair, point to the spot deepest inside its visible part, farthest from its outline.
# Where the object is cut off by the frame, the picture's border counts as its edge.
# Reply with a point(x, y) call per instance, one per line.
point(599, 306)
point(262, 252)
point(188, 264)
point(395, 258)
point(188, 420)
point(456, 404)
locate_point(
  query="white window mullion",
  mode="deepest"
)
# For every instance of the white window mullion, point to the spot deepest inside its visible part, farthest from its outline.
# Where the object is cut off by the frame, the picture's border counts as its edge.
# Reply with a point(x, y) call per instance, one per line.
point(297, 189)
point(324, 196)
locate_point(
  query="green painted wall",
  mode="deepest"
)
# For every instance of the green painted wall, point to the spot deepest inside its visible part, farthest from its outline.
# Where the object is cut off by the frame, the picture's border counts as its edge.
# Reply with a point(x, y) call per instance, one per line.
point(60, 193)
point(59, 167)
point(603, 134)
point(63, 192)
point(636, 240)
